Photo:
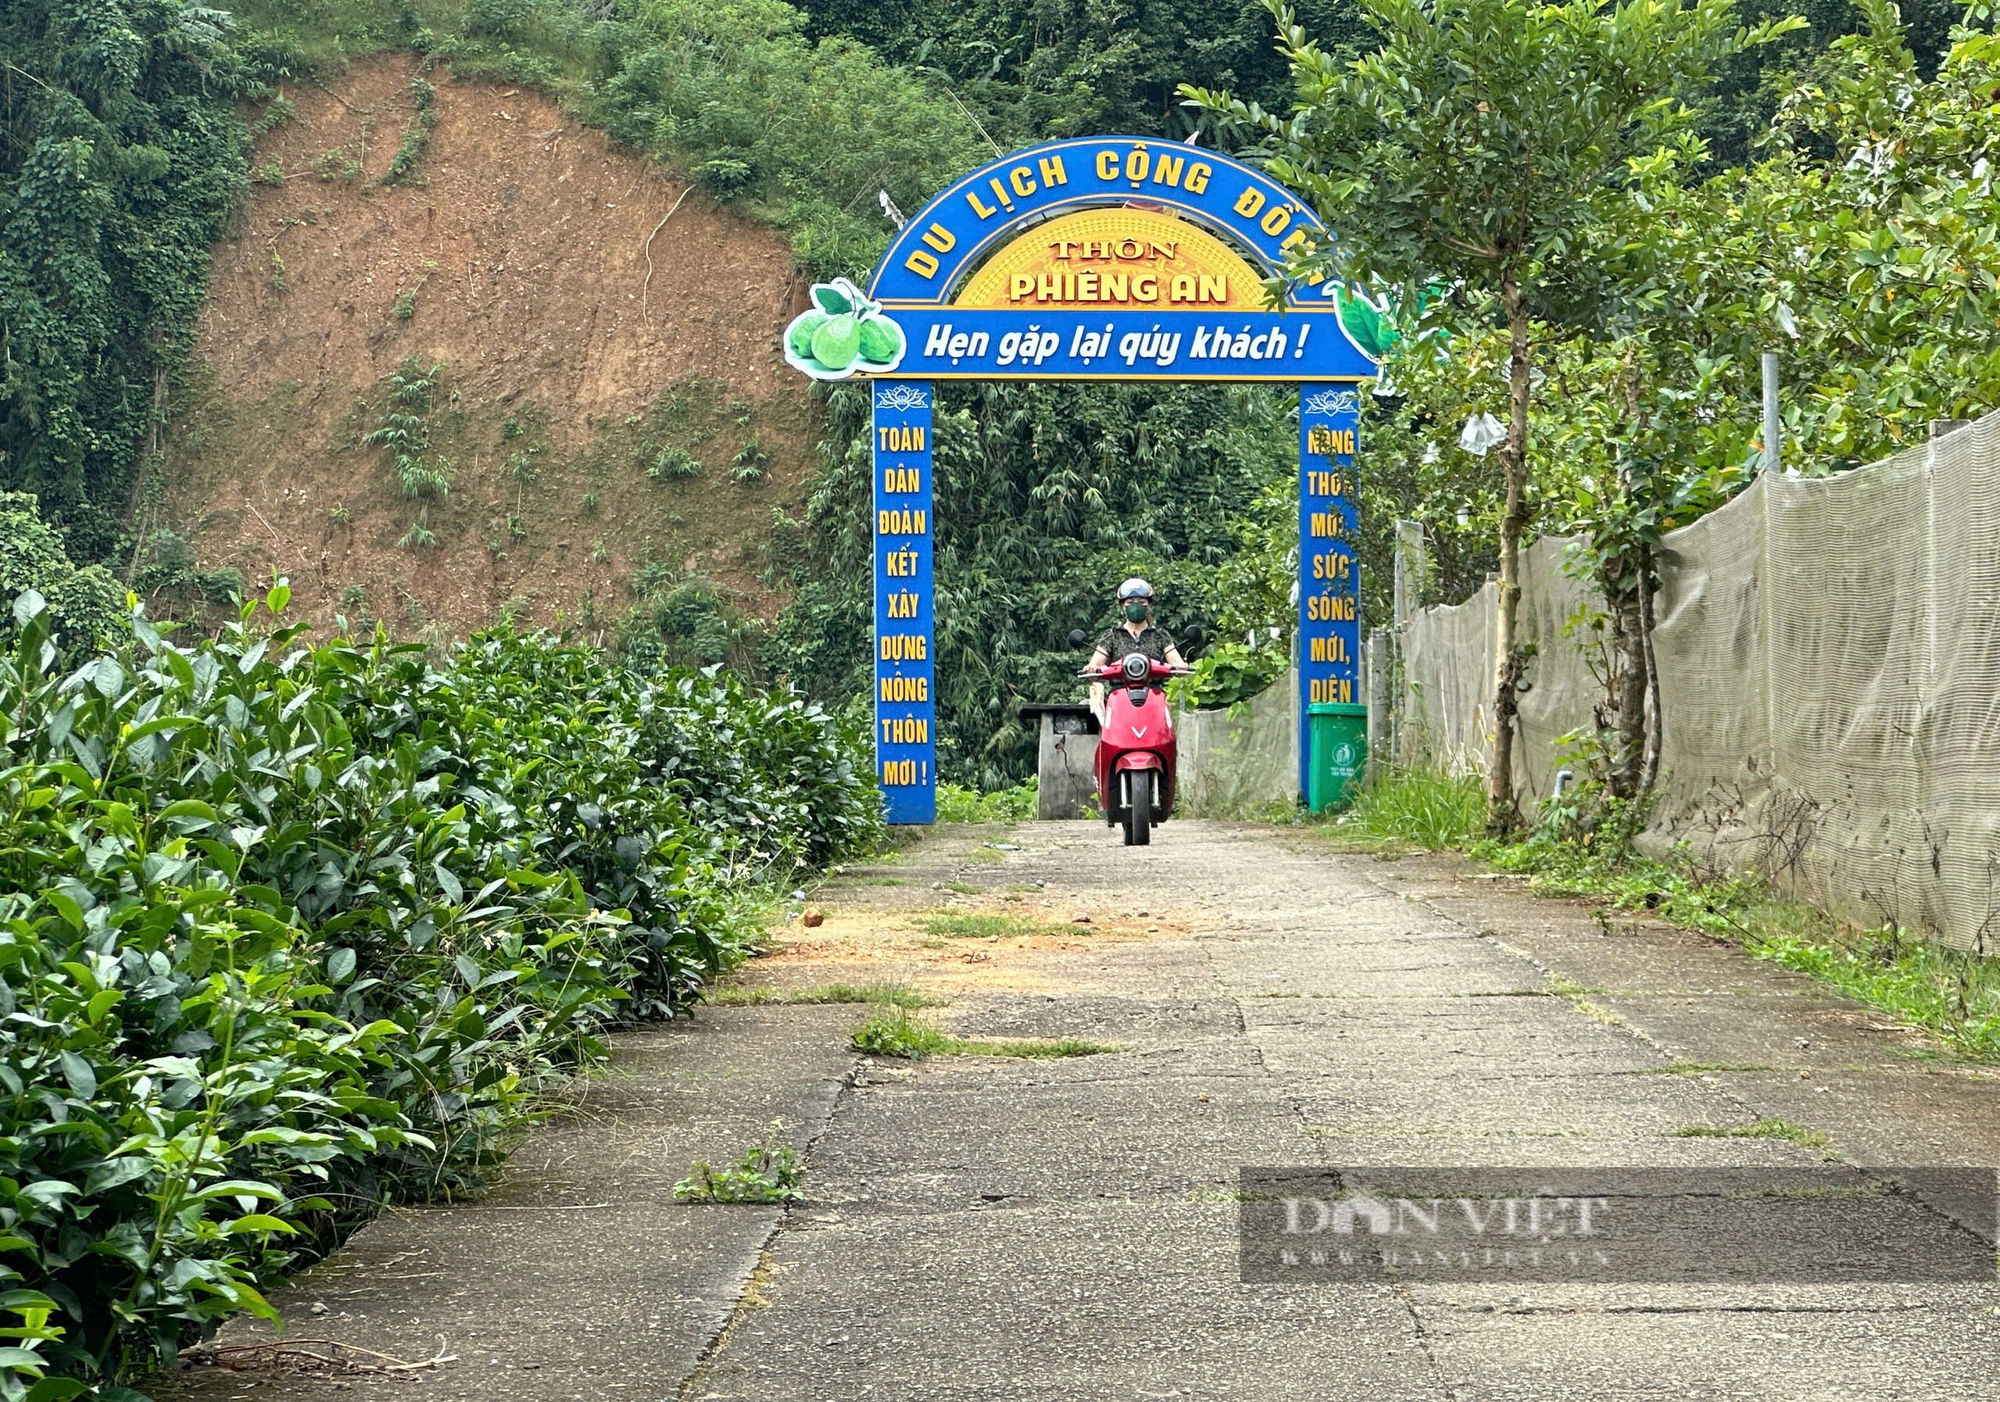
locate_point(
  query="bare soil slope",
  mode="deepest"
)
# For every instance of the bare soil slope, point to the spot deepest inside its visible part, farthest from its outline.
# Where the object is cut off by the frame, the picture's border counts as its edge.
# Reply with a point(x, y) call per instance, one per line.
point(594, 420)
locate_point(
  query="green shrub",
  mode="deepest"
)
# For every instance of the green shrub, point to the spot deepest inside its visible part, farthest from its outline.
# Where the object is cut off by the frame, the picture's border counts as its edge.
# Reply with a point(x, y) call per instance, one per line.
point(1229, 673)
point(673, 464)
point(292, 931)
point(165, 563)
point(957, 804)
point(405, 429)
point(685, 621)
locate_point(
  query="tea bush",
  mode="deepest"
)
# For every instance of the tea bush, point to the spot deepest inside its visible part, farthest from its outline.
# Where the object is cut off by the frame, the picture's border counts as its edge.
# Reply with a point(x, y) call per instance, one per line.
point(289, 931)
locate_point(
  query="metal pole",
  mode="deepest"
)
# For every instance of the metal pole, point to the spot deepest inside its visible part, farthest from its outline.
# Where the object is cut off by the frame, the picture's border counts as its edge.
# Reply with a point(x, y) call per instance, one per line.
point(1378, 702)
point(1773, 431)
point(1408, 594)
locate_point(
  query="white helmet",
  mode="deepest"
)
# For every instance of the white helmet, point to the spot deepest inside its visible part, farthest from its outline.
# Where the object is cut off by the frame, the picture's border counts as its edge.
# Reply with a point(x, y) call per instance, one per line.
point(1134, 588)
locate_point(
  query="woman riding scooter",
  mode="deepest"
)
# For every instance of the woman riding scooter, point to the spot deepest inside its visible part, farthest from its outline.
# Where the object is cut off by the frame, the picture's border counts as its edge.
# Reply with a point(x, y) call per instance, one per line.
point(1136, 751)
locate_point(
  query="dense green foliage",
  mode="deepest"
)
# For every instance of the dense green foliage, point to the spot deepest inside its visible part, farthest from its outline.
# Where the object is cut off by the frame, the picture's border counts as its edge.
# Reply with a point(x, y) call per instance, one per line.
point(1030, 70)
point(1858, 244)
point(1861, 246)
point(121, 155)
point(1482, 158)
point(286, 931)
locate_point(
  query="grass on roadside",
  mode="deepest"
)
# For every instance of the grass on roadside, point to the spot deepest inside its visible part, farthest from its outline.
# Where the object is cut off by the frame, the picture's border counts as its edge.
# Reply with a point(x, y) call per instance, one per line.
point(974, 925)
point(1950, 994)
point(899, 995)
point(892, 1031)
point(1419, 808)
point(1578, 998)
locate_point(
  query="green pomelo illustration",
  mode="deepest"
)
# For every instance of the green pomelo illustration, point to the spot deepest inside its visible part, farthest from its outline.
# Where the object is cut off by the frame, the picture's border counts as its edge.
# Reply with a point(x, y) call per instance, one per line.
point(835, 344)
point(800, 337)
point(1365, 324)
point(881, 341)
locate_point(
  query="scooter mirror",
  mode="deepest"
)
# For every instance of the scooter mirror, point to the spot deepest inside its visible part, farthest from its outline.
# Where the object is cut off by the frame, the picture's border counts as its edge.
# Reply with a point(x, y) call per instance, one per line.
point(1077, 637)
point(1195, 635)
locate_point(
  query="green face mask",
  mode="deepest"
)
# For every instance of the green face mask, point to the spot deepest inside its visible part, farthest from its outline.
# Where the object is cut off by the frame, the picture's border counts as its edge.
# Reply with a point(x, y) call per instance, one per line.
point(1137, 610)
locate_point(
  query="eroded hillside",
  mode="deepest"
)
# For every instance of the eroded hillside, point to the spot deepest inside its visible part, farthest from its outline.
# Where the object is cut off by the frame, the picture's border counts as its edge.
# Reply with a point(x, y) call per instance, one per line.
point(604, 389)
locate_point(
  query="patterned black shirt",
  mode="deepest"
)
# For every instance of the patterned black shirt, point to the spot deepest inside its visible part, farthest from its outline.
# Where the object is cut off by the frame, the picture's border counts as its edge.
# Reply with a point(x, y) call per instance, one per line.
point(1152, 640)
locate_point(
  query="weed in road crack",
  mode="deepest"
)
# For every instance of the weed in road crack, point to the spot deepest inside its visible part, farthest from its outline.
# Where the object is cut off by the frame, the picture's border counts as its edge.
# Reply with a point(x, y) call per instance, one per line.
point(899, 995)
point(1566, 988)
point(768, 1171)
point(1762, 1129)
point(973, 926)
point(892, 1031)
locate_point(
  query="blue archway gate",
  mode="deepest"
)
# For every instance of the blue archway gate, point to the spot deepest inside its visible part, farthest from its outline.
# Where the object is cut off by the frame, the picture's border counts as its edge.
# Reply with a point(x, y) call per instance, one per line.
point(1104, 258)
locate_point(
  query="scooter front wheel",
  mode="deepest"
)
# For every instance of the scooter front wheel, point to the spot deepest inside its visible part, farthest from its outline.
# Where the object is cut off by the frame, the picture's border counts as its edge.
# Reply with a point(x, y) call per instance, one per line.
point(1139, 808)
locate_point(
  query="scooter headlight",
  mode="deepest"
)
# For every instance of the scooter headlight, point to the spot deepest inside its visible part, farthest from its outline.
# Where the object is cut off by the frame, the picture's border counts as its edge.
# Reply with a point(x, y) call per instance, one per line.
point(1137, 667)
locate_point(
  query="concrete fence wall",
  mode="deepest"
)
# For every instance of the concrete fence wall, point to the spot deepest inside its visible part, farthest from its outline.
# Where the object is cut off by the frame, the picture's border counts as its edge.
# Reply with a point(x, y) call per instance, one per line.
point(1238, 761)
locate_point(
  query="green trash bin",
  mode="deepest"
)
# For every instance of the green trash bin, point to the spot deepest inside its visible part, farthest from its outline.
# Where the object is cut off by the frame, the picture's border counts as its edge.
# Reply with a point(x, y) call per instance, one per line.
point(1338, 733)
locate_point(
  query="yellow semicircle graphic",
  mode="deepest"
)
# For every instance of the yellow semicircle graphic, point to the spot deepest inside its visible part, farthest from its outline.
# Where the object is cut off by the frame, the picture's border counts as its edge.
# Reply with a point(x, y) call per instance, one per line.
point(1116, 259)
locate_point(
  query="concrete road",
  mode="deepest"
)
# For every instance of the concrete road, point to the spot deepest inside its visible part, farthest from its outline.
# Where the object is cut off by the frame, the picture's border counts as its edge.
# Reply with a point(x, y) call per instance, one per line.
point(985, 1228)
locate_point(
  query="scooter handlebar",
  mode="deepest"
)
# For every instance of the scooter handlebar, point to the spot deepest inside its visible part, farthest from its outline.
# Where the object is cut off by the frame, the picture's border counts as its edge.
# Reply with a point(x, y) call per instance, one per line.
point(1111, 671)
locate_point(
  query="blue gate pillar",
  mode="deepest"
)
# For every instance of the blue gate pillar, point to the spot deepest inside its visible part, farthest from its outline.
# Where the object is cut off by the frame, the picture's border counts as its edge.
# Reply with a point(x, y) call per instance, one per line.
point(1329, 636)
point(905, 673)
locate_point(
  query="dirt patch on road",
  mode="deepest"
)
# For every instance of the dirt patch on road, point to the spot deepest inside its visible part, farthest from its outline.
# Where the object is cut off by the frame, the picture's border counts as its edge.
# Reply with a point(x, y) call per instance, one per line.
point(988, 945)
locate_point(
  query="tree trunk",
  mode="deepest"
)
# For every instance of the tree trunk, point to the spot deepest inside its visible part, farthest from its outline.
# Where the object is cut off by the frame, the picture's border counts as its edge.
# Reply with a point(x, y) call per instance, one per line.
point(1628, 695)
point(1501, 813)
point(1656, 736)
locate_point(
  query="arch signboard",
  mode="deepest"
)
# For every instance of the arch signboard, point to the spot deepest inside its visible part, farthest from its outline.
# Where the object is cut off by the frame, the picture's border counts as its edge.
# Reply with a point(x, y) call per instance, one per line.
point(1103, 258)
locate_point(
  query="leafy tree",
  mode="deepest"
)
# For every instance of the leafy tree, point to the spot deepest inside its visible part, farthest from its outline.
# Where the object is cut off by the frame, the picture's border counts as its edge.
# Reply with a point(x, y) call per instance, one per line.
point(1480, 146)
point(1874, 267)
point(1735, 110)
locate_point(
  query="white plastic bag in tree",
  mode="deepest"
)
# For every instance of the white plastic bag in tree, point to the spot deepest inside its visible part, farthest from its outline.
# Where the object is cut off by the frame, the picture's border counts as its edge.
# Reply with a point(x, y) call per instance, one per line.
point(1481, 434)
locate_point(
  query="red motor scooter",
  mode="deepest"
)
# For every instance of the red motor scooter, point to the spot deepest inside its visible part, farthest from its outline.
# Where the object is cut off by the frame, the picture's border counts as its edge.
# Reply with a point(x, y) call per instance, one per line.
point(1136, 752)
